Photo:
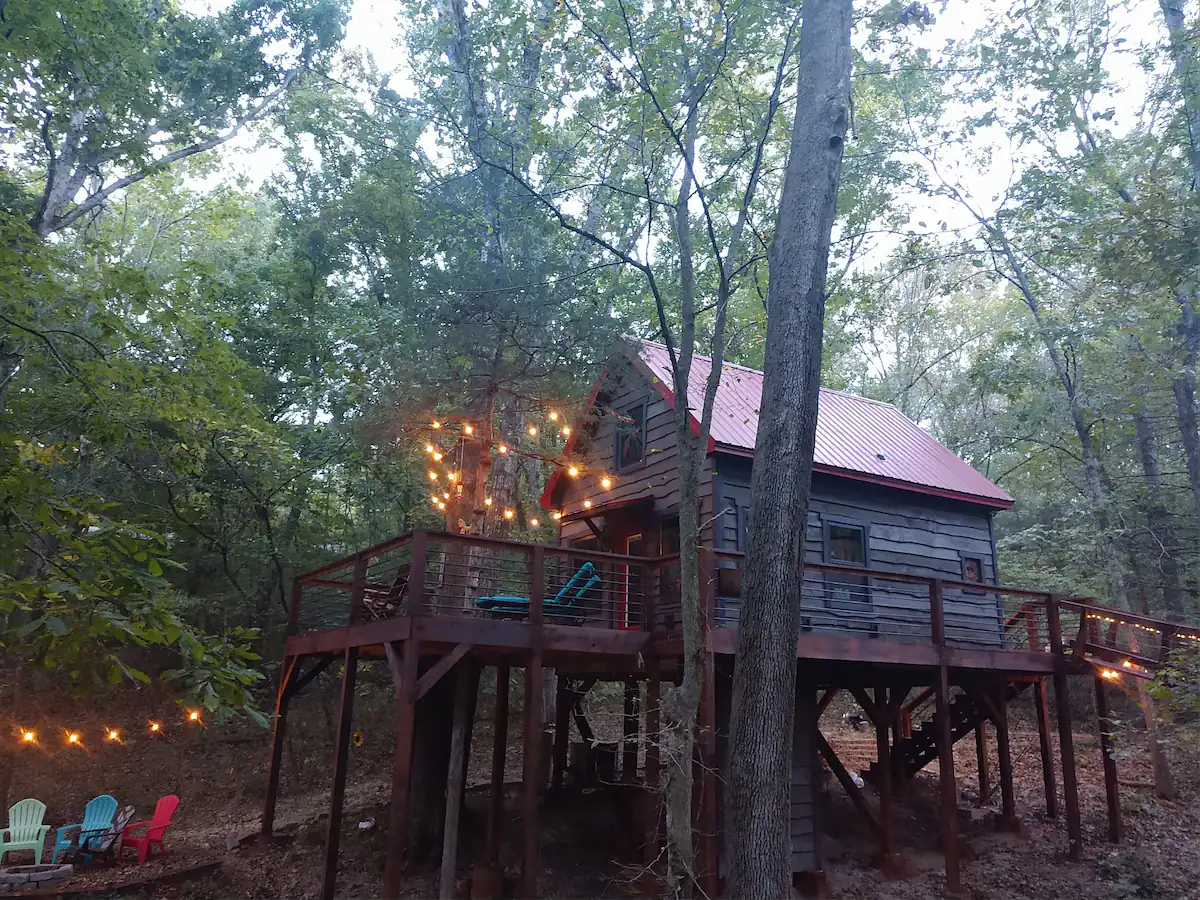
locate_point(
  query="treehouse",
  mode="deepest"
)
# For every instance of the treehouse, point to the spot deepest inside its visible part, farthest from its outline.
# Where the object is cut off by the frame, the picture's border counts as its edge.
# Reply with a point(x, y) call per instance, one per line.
point(899, 605)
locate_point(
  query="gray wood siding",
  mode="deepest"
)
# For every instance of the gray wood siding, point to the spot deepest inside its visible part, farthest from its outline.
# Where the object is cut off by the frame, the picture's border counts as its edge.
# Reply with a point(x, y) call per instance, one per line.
point(657, 478)
point(906, 532)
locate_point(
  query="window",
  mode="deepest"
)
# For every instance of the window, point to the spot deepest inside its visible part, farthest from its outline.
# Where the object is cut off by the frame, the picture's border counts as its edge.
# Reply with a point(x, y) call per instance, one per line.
point(631, 437)
point(972, 569)
point(847, 544)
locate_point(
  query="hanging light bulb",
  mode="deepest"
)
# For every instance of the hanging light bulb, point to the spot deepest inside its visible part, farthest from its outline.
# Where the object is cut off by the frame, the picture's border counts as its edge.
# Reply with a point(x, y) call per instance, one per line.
point(441, 506)
point(508, 514)
point(29, 737)
point(453, 476)
point(534, 523)
point(434, 500)
point(587, 504)
point(432, 475)
point(556, 515)
point(553, 416)
point(606, 482)
point(446, 495)
point(155, 728)
point(437, 424)
point(566, 431)
point(533, 431)
point(113, 734)
point(503, 448)
point(437, 457)
point(429, 448)
point(468, 430)
point(487, 501)
point(193, 715)
point(573, 471)
point(72, 737)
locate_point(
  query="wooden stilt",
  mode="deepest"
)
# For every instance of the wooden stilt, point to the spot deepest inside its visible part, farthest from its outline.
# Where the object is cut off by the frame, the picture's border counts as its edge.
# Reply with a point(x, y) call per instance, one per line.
point(1066, 740)
point(1008, 814)
point(653, 771)
point(340, 758)
point(563, 701)
point(278, 733)
point(949, 789)
point(404, 664)
point(982, 764)
point(499, 757)
point(1111, 787)
point(532, 744)
point(1042, 709)
point(889, 862)
point(454, 781)
point(629, 754)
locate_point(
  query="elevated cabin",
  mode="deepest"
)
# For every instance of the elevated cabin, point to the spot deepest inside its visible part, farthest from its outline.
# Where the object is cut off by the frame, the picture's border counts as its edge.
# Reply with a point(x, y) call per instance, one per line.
point(885, 496)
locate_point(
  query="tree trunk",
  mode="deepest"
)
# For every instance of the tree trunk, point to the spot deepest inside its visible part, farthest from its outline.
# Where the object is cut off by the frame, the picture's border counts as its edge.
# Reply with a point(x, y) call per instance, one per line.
point(1157, 516)
point(430, 767)
point(762, 718)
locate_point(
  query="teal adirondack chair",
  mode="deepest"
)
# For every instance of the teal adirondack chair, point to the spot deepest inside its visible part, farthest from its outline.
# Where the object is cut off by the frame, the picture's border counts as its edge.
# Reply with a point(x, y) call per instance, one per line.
point(25, 830)
point(97, 819)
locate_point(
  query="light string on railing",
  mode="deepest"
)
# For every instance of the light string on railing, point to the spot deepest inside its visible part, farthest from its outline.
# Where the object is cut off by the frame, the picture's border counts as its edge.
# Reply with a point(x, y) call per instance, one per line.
point(30, 735)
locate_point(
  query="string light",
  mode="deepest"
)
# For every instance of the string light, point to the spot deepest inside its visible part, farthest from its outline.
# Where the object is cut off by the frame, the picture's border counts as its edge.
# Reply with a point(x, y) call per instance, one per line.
point(434, 500)
point(437, 457)
point(566, 431)
point(468, 430)
point(1109, 674)
point(573, 471)
point(445, 495)
point(429, 448)
point(155, 728)
point(533, 431)
point(508, 514)
point(453, 476)
point(606, 482)
point(441, 506)
point(503, 448)
point(556, 515)
point(534, 523)
point(432, 475)
point(437, 425)
point(72, 737)
point(29, 737)
point(553, 416)
point(113, 735)
point(487, 501)
point(587, 504)
point(194, 716)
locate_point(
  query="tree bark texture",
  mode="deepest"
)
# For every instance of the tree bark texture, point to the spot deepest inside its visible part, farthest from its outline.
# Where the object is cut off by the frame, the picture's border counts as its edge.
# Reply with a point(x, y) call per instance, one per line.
point(1157, 516)
point(759, 794)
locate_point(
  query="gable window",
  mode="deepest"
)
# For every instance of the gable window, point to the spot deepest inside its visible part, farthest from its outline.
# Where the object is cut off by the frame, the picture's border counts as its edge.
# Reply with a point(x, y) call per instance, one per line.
point(631, 437)
point(972, 569)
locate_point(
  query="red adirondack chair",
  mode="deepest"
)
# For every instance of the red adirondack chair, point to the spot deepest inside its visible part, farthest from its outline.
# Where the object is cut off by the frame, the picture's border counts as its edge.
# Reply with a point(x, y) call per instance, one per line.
point(155, 826)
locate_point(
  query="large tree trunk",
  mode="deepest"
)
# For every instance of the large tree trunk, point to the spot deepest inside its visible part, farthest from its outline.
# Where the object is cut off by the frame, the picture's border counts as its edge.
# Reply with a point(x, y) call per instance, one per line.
point(1157, 517)
point(763, 702)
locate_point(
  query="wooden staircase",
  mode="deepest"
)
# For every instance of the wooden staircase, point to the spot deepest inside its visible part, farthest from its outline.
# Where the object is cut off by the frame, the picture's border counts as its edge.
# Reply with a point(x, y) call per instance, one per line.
point(919, 748)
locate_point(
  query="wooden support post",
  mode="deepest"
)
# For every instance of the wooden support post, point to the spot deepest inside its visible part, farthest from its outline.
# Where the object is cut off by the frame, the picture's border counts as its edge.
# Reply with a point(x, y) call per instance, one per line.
point(1066, 740)
point(533, 728)
point(454, 781)
point(653, 771)
point(1111, 787)
point(404, 674)
point(629, 755)
point(889, 861)
point(1008, 815)
point(499, 757)
point(945, 742)
point(1042, 709)
point(981, 760)
point(564, 700)
point(341, 755)
point(278, 732)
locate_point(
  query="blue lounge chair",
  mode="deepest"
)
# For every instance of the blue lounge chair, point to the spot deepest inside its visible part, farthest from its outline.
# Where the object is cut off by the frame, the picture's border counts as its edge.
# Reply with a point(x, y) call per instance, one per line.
point(561, 604)
point(97, 818)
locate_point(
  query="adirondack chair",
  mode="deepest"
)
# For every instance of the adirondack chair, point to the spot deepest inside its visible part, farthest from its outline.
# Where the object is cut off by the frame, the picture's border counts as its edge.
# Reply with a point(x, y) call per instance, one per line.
point(155, 826)
point(106, 845)
point(25, 830)
point(562, 604)
point(97, 818)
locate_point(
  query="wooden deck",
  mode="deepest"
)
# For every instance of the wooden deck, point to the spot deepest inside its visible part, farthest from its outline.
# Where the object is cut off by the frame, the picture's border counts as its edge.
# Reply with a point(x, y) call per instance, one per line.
point(427, 601)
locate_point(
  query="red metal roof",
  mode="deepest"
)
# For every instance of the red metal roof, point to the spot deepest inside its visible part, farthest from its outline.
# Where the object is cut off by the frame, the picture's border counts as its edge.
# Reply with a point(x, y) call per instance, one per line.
point(856, 438)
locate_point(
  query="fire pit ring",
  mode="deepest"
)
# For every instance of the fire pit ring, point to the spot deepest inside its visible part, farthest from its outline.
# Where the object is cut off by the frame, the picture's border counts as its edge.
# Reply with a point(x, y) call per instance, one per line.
point(18, 878)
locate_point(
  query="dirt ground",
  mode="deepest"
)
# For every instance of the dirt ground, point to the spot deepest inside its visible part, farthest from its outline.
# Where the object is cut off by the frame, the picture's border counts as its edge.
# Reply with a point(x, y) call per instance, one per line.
point(219, 773)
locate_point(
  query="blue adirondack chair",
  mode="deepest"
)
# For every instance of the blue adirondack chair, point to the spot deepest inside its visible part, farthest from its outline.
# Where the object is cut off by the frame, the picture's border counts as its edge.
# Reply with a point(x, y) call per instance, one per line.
point(560, 603)
point(25, 830)
point(97, 819)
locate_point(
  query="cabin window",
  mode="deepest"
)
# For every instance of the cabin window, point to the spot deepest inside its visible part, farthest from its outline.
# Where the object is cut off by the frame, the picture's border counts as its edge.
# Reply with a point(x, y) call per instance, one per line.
point(972, 569)
point(846, 544)
point(631, 437)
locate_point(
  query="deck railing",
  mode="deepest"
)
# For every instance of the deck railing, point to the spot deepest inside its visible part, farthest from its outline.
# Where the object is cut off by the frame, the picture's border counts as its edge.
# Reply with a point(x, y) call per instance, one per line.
point(440, 574)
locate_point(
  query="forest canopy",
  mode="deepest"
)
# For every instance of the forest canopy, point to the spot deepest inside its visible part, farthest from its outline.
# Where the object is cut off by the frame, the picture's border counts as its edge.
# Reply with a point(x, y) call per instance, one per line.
point(246, 260)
